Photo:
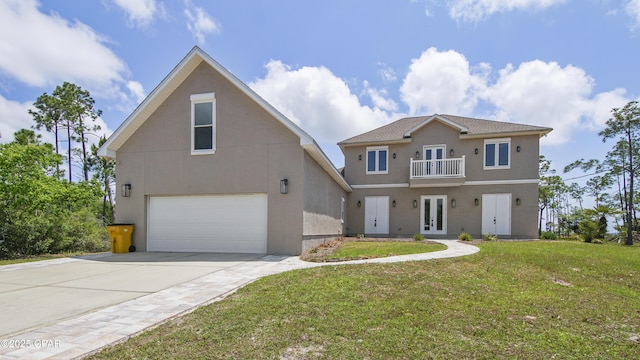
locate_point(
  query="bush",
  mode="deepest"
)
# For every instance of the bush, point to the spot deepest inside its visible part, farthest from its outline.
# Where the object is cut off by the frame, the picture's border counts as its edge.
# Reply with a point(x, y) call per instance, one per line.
point(465, 236)
point(548, 235)
point(588, 230)
point(418, 237)
point(489, 237)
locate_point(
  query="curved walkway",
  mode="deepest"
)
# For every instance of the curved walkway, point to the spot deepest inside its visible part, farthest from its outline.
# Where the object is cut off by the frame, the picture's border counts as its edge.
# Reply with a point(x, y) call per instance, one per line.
point(90, 332)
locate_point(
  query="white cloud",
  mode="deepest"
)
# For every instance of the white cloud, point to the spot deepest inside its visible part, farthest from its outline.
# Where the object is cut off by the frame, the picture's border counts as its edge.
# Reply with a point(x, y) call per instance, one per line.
point(441, 82)
point(45, 50)
point(476, 10)
point(136, 89)
point(199, 22)
point(318, 101)
point(386, 73)
point(535, 92)
point(380, 98)
point(544, 94)
point(633, 10)
point(15, 116)
point(140, 12)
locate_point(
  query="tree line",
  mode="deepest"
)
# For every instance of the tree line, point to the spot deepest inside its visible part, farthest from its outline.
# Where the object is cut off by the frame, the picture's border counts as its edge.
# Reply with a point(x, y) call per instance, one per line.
point(42, 209)
point(611, 185)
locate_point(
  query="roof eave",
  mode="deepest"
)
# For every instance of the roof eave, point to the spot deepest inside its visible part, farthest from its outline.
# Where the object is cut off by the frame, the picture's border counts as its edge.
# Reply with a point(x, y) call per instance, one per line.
point(321, 158)
point(376, 142)
point(540, 133)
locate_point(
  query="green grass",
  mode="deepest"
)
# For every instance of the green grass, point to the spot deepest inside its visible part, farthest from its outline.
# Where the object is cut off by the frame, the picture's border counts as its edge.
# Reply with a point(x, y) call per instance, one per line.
point(39, 258)
point(350, 250)
point(529, 300)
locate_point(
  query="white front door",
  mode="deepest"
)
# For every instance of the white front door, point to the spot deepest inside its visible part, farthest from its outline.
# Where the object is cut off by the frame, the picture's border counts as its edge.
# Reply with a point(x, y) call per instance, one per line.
point(433, 214)
point(434, 152)
point(496, 214)
point(376, 215)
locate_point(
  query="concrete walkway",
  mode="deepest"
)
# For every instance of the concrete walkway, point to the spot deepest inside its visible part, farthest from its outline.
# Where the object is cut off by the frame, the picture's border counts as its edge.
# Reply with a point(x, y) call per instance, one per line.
point(90, 332)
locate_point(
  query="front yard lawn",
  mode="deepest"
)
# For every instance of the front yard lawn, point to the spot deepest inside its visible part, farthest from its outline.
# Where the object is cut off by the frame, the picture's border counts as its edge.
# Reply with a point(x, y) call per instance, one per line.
point(529, 300)
point(341, 250)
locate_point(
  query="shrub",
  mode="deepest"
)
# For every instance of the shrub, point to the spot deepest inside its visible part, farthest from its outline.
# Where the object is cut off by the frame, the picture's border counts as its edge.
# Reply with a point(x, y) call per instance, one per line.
point(588, 230)
point(465, 236)
point(548, 235)
point(360, 236)
point(489, 237)
point(418, 237)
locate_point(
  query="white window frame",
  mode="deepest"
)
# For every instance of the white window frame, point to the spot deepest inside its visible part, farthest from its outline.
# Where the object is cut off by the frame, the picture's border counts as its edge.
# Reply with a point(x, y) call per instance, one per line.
point(342, 203)
point(496, 155)
point(197, 99)
point(377, 150)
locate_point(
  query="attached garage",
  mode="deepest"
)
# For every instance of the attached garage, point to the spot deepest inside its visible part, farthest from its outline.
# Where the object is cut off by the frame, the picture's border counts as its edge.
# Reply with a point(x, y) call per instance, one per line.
point(220, 223)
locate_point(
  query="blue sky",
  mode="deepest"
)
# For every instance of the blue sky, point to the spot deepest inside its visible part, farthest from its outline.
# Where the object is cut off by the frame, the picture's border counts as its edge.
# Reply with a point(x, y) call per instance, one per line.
point(339, 68)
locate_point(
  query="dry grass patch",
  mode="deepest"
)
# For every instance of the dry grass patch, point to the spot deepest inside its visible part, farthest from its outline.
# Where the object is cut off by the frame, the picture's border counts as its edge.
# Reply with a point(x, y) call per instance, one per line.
point(368, 248)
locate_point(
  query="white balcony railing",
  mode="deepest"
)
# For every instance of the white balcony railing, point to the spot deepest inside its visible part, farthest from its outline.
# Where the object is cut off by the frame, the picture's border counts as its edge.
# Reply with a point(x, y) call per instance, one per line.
point(427, 169)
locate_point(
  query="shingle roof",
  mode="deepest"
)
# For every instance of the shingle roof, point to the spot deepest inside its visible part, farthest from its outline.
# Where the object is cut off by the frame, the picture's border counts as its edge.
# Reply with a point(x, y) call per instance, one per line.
point(400, 129)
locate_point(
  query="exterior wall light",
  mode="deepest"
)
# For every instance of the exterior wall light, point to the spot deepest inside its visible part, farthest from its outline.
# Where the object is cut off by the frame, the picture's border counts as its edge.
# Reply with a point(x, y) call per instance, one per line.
point(359, 203)
point(518, 148)
point(476, 151)
point(417, 154)
point(518, 201)
point(125, 190)
point(415, 204)
point(394, 155)
point(360, 157)
point(451, 152)
point(476, 201)
point(453, 203)
point(284, 186)
point(394, 203)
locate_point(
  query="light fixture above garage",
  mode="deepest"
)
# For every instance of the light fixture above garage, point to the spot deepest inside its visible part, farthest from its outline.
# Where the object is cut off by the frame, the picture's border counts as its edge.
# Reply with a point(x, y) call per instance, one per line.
point(284, 186)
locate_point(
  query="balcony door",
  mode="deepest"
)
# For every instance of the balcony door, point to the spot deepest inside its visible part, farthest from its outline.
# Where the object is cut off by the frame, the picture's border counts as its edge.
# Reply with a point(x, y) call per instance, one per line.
point(433, 152)
point(433, 215)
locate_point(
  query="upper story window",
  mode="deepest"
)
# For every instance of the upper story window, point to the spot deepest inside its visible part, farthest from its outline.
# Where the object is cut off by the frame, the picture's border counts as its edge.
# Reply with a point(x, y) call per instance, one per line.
point(203, 124)
point(497, 154)
point(377, 159)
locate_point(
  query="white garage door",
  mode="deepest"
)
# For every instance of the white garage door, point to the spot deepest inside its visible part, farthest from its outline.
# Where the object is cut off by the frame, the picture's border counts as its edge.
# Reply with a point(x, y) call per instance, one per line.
point(230, 224)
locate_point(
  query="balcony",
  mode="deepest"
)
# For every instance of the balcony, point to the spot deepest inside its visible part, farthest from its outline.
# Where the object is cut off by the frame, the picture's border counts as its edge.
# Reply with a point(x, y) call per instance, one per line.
point(437, 173)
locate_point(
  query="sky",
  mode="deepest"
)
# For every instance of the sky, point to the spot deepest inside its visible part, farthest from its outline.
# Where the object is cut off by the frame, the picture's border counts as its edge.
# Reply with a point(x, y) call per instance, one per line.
point(338, 68)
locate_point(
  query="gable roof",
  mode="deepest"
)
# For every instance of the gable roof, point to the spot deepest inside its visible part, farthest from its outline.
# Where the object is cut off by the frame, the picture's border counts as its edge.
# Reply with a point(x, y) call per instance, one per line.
point(169, 84)
point(401, 130)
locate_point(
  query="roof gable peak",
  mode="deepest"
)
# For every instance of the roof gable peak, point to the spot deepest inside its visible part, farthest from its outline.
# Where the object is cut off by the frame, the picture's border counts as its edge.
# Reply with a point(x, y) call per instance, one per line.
point(440, 118)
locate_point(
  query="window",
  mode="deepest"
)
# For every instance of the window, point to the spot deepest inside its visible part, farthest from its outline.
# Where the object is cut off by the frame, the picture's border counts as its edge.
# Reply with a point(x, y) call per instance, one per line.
point(203, 124)
point(497, 154)
point(342, 210)
point(377, 160)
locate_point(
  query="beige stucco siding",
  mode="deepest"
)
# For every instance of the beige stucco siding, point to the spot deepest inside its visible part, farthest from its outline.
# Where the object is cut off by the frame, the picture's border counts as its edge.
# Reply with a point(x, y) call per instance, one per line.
point(254, 152)
point(322, 202)
point(523, 164)
point(404, 219)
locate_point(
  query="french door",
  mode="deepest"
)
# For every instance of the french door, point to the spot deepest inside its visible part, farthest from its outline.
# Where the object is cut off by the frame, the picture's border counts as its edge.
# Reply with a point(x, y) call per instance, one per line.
point(434, 152)
point(433, 214)
point(376, 215)
point(496, 214)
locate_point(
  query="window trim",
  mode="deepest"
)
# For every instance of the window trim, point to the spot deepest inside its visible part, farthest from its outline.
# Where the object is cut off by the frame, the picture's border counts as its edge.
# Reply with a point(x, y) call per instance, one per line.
point(496, 142)
point(342, 208)
point(199, 99)
point(377, 150)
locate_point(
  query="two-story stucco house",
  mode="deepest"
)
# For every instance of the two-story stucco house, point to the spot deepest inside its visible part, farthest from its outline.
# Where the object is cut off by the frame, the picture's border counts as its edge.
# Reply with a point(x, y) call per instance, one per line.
point(441, 175)
point(204, 164)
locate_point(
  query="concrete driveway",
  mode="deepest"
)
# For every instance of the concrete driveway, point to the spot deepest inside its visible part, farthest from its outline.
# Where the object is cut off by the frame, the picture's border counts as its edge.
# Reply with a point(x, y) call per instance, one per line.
point(34, 295)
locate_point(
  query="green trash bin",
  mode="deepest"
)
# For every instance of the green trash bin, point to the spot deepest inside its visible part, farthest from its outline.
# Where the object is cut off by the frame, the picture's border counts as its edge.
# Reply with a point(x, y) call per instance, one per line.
point(120, 235)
